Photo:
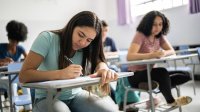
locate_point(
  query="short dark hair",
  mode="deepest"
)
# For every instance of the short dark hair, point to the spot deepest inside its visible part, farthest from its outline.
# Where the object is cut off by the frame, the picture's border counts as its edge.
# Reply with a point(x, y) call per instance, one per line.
point(146, 24)
point(16, 31)
point(104, 24)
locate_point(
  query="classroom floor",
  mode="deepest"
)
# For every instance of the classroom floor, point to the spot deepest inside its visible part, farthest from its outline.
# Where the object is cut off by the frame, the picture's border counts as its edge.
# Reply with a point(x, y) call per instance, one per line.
point(186, 89)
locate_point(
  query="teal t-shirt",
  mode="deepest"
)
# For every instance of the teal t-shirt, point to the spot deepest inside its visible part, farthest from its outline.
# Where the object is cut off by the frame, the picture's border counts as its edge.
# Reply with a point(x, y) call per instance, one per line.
point(47, 44)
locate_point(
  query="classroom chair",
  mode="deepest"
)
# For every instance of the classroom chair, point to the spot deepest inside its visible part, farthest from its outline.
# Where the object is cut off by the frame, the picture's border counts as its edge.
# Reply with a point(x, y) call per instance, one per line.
point(25, 98)
point(127, 89)
point(2, 91)
point(17, 100)
point(132, 96)
point(186, 65)
point(155, 91)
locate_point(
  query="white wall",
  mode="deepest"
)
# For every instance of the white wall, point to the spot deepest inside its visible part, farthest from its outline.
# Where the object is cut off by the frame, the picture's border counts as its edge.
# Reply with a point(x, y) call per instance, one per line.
point(184, 28)
point(41, 15)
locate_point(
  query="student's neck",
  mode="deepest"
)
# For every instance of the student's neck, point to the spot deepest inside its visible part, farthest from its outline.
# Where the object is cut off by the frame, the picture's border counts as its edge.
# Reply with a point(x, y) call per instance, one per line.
point(152, 38)
point(12, 49)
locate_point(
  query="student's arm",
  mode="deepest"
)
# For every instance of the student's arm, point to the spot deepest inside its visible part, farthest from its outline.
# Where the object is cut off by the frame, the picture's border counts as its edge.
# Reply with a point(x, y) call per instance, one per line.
point(136, 44)
point(29, 72)
point(167, 48)
point(6, 61)
point(1, 63)
point(133, 51)
point(134, 55)
point(24, 54)
point(105, 73)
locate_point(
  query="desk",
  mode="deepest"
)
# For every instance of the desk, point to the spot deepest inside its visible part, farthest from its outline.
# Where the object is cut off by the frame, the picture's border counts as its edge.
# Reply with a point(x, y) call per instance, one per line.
point(12, 73)
point(149, 62)
point(3, 68)
point(112, 58)
point(10, 80)
point(51, 86)
point(186, 50)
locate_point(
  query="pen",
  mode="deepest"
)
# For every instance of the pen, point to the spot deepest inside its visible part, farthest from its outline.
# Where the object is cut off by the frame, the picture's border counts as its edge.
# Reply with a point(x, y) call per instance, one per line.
point(70, 61)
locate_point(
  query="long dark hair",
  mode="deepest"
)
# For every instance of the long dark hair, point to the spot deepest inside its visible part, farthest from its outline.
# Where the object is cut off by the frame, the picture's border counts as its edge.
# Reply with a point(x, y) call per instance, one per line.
point(146, 24)
point(93, 53)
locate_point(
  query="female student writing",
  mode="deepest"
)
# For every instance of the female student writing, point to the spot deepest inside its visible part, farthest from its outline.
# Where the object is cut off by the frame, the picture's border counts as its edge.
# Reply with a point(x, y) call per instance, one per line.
point(80, 40)
point(10, 52)
point(147, 43)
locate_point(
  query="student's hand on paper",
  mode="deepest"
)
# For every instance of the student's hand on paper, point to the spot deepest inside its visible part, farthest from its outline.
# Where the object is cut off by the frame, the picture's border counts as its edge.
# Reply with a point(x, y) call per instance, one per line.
point(6, 61)
point(1, 64)
point(158, 54)
point(106, 75)
point(71, 72)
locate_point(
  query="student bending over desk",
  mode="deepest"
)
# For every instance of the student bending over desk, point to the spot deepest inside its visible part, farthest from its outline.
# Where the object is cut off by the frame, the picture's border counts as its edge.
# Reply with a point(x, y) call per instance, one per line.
point(147, 43)
point(11, 52)
point(80, 41)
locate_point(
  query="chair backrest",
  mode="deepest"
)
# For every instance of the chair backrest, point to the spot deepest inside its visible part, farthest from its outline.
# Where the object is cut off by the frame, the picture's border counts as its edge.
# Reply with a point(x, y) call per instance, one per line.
point(184, 47)
point(185, 51)
point(20, 100)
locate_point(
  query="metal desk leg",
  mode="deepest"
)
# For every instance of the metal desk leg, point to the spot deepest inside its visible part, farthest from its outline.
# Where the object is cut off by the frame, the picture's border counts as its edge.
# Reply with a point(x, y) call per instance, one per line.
point(150, 87)
point(10, 93)
point(193, 81)
point(51, 98)
point(1, 107)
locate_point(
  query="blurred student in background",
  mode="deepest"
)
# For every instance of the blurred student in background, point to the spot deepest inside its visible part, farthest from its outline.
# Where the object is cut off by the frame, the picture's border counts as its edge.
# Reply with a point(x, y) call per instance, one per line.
point(108, 42)
point(11, 51)
point(110, 49)
point(150, 42)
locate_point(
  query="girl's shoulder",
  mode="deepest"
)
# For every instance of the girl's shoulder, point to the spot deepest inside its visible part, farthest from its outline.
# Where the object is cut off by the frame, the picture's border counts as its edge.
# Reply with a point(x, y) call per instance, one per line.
point(3, 46)
point(139, 36)
point(48, 34)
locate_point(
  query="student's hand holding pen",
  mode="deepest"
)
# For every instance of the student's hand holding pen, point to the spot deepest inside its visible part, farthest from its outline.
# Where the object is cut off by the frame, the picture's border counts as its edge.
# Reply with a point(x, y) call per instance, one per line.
point(72, 71)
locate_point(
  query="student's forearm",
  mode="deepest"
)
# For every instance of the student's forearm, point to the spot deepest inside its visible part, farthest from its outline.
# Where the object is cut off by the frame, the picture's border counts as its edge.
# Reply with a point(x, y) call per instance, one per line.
point(138, 56)
point(36, 75)
point(101, 65)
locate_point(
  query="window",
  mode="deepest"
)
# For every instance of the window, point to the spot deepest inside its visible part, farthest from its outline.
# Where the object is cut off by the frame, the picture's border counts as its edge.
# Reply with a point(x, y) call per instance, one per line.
point(140, 7)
